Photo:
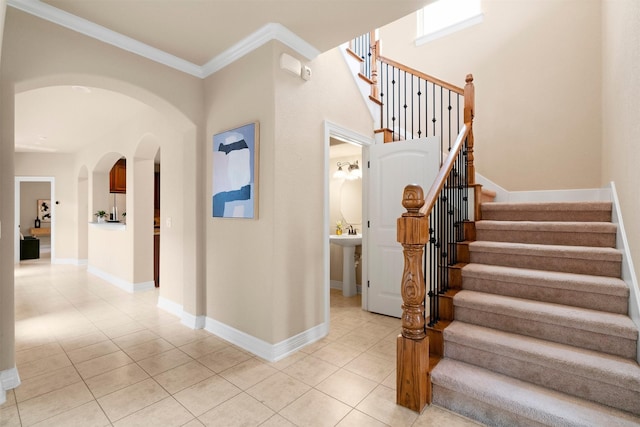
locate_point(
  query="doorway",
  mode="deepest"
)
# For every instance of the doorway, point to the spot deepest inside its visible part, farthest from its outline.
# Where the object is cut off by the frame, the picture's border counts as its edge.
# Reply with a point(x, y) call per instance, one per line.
point(361, 143)
point(34, 218)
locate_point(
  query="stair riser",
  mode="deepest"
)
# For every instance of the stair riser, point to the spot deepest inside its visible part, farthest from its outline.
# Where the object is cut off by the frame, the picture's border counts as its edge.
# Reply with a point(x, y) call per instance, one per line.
point(549, 263)
point(545, 374)
point(551, 332)
point(539, 215)
point(477, 410)
point(602, 240)
point(575, 298)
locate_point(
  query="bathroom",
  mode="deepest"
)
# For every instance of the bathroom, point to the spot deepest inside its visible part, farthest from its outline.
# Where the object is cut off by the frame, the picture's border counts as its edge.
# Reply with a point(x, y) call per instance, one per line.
point(345, 209)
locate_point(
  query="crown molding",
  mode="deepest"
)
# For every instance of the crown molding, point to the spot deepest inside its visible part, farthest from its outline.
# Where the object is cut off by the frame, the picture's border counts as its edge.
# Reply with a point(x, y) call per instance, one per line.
point(267, 33)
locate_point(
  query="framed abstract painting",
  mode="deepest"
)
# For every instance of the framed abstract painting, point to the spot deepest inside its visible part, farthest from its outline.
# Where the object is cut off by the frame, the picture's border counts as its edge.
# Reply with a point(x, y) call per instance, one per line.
point(235, 172)
point(44, 210)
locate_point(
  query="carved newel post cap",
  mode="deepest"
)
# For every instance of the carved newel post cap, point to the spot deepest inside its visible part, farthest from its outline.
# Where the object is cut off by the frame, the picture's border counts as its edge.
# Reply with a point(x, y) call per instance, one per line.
point(469, 78)
point(412, 199)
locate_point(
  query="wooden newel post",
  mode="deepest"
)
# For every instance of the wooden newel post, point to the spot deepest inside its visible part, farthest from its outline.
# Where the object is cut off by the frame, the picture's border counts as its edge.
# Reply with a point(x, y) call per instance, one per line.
point(375, 51)
point(469, 114)
point(413, 389)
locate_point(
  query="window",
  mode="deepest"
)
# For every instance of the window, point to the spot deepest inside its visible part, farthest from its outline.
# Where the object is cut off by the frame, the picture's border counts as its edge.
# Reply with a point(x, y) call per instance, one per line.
point(444, 17)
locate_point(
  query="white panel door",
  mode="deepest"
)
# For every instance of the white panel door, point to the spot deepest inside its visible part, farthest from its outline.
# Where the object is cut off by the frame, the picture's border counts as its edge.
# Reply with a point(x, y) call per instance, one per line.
point(393, 166)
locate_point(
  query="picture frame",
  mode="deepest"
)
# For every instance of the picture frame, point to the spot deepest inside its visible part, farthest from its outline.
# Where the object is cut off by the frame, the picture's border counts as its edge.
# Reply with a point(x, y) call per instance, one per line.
point(44, 210)
point(235, 174)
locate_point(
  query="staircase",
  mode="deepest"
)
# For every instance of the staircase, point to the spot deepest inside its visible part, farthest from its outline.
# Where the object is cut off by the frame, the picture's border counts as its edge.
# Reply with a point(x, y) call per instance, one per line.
point(541, 334)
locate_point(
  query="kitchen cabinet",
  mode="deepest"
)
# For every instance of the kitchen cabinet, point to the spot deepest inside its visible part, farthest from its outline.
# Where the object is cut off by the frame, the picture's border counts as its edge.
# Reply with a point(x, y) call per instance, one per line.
point(118, 177)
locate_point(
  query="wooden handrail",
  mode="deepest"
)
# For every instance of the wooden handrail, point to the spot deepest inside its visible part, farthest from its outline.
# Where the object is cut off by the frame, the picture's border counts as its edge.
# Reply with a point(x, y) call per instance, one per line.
point(441, 178)
point(422, 75)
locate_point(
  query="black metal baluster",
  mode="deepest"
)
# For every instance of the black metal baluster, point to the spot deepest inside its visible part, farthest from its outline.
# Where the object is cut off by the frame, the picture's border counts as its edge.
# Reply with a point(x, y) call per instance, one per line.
point(419, 116)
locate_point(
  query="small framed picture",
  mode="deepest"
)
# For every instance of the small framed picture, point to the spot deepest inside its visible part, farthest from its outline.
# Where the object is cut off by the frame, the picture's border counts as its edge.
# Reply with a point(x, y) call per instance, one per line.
point(44, 210)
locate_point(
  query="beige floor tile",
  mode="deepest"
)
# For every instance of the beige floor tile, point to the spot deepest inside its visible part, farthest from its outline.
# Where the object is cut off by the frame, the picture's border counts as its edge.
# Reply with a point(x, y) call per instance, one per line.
point(88, 415)
point(224, 359)
point(315, 409)
point(11, 398)
point(36, 353)
point(53, 403)
point(207, 394)
point(135, 338)
point(179, 334)
point(311, 370)
point(242, 410)
point(148, 349)
point(391, 380)
point(248, 373)
point(347, 387)
point(288, 361)
point(183, 376)
point(124, 329)
point(372, 367)
point(435, 416)
point(359, 341)
point(116, 379)
point(129, 400)
point(165, 413)
point(194, 423)
point(381, 405)
point(43, 366)
point(337, 354)
point(102, 364)
point(162, 362)
point(9, 416)
point(92, 351)
point(313, 347)
point(356, 418)
point(71, 344)
point(35, 386)
point(279, 390)
point(385, 348)
point(204, 346)
point(277, 420)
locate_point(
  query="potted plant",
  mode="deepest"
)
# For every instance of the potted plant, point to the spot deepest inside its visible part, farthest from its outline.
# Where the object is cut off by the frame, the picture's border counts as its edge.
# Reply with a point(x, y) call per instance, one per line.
point(101, 215)
point(124, 217)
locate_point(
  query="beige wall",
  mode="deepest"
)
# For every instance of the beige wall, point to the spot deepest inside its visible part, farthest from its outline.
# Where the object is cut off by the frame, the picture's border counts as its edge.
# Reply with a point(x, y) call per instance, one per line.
point(620, 109)
point(282, 294)
point(537, 69)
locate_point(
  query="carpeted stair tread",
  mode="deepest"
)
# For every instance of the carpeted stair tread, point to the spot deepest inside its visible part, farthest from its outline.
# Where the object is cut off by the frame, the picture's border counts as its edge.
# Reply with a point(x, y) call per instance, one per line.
point(499, 400)
point(603, 378)
point(552, 314)
point(547, 211)
point(580, 290)
point(602, 234)
point(572, 259)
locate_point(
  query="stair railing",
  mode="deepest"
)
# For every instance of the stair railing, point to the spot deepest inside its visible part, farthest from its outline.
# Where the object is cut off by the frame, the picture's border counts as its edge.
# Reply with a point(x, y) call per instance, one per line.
point(429, 232)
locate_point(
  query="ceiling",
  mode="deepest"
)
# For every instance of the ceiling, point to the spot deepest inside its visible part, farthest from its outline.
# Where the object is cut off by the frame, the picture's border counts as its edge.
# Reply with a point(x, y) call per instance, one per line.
point(194, 32)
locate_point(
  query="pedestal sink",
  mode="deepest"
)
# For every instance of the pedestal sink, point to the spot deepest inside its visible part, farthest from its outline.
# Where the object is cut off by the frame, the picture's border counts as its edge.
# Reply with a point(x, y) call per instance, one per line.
point(348, 243)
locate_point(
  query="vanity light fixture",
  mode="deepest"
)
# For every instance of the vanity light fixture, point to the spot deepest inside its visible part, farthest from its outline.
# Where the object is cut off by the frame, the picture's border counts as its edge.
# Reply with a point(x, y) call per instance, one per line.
point(353, 171)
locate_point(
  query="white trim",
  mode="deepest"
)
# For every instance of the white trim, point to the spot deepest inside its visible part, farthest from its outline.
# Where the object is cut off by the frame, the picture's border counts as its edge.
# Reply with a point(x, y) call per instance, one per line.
point(332, 130)
point(270, 352)
point(577, 195)
point(69, 261)
point(628, 272)
point(335, 284)
point(191, 321)
point(502, 195)
point(170, 306)
point(459, 26)
point(271, 31)
point(111, 226)
point(9, 379)
point(267, 33)
point(121, 283)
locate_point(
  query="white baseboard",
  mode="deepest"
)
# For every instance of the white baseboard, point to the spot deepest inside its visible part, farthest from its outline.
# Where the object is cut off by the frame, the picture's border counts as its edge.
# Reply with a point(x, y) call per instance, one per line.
point(121, 283)
point(170, 307)
point(628, 272)
point(193, 322)
point(335, 284)
point(270, 352)
point(70, 261)
point(9, 379)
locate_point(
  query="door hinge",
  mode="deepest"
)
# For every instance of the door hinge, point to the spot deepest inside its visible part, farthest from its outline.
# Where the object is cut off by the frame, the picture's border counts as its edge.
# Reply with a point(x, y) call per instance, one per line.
point(368, 284)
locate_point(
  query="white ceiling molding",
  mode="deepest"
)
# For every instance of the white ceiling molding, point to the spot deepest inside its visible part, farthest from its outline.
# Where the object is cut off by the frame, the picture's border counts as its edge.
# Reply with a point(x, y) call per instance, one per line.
point(90, 29)
point(272, 31)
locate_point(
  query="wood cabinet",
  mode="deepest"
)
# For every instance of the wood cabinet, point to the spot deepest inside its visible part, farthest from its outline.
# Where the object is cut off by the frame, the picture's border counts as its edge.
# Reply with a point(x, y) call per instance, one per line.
point(118, 177)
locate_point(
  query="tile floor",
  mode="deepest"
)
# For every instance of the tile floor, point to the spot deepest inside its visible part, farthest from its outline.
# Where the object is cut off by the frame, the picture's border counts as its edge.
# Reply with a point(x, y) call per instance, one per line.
point(90, 354)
